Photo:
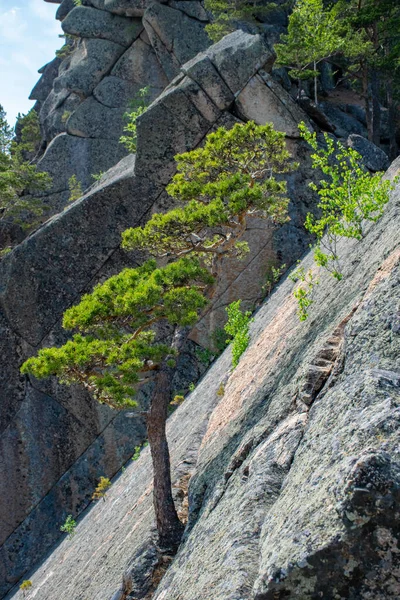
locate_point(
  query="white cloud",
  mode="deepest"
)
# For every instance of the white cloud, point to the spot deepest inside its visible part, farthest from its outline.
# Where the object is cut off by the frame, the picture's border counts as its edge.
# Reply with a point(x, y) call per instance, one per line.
point(13, 25)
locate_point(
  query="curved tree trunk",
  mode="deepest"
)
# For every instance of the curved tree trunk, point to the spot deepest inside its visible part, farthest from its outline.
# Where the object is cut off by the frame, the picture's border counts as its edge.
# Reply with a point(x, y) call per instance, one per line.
point(169, 527)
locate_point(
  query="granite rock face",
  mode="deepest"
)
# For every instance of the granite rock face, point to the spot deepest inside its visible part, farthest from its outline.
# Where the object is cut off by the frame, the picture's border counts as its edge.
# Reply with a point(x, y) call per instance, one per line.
point(295, 469)
point(115, 48)
point(78, 247)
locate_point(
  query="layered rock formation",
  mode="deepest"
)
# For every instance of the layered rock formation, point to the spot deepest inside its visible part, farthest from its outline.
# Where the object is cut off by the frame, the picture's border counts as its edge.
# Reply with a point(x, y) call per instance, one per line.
point(112, 50)
point(296, 490)
point(52, 268)
point(55, 442)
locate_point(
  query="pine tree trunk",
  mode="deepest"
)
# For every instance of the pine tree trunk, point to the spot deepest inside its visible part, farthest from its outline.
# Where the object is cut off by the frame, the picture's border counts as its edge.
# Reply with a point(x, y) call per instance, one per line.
point(169, 527)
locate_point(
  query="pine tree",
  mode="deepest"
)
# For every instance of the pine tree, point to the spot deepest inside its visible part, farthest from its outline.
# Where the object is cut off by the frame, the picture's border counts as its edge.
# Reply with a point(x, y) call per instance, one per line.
point(18, 175)
point(116, 349)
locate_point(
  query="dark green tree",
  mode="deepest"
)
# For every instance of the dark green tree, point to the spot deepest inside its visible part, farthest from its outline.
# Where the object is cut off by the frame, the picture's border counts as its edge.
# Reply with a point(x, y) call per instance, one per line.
point(19, 178)
point(378, 68)
point(116, 349)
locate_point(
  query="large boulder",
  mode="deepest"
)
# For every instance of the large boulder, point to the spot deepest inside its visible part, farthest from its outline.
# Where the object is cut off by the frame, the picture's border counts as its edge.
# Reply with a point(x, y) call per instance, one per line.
point(164, 26)
point(89, 22)
point(375, 159)
point(264, 101)
point(70, 155)
point(129, 8)
point(94, 120)
point(88, 64)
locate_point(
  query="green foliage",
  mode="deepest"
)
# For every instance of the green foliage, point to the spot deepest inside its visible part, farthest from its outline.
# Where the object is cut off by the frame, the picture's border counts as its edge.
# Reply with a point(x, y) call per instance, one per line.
point(65, 116)
point(101, 489)
point(192, 386)
point(75, 189)
point(136, 454)
point(204, 355)
point(98, 176)
point(316, 32)
point(25, 586)
point(227, 14)
point(237, 327)
point(78, 2)
point(118, 351)
point(221, 390)
point(304, 292)
point(65, 50)
point(349, 195)
point(178, 400)
point(218, 338)
point(19, 178)
point(272, 277)
point(137, 107)
point(69, 526)
point(234, 175)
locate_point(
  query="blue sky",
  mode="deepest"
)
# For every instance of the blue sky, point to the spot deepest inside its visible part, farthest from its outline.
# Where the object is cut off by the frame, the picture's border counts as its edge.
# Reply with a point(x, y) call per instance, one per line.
point(28, 40)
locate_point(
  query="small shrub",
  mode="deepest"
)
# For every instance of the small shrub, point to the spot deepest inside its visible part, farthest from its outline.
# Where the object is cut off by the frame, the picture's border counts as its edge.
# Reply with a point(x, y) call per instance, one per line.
point(221, 390)
point(138, 450)
point(65, 116)
point(98, 176)
point(102, 487)
point(69, 526)
point(273, 276)
point(137, 107)
point(303, 293)
point(218, 337)
point(178, 399)
point(237, 328)
point(25, 586)
point(349, 195)
point(75, 188)
point(204, 355)
point(192, 386)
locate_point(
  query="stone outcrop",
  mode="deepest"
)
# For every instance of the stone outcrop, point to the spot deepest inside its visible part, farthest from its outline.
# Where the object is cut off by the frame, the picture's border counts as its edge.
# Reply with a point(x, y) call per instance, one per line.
point(114, 49)
point(55, 443)
point(295, 487)
point(80, 246)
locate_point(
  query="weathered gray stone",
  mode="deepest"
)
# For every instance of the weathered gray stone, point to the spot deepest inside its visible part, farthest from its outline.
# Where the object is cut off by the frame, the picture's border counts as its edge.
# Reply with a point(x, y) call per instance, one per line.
point(237, 57)
point(286, 500)
point(88, 64)
point(94, 120)
point(174, 123)
point(79, 253)
point(43, 87)
point(374, 158)
point(203, 72)
point(55, 112)
point(70, 155)
point(343, 123)
point(192, 8)
point(281, 76)
point(164, 26)
point(115, 92)
point(139, 65)
point(87, 22)
point(129, 8)
point(264, 101)
point(65, 7)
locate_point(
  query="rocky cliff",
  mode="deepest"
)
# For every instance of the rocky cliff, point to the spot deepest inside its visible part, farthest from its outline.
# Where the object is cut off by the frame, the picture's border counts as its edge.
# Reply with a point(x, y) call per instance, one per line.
point(55, 442)
point(296, 484)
